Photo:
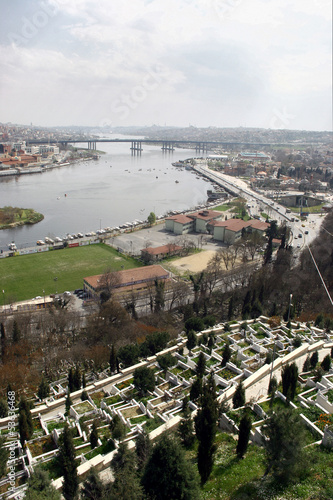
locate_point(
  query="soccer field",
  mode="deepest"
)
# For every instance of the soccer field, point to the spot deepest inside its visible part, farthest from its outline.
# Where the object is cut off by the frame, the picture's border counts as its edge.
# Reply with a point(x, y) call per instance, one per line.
point(26, 276)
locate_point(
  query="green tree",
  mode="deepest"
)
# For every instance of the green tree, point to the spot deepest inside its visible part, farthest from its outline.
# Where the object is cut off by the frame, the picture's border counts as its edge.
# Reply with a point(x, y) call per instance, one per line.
point(84, 396)
point(26, 426)
point(205, 429)
point(289, 380)
point(307, 364)
point(40, 487)
point(326, 363)
point(67, 459)
point(314, 359)
point(77, 378)
point(201, 365)
point(117, 428)
point(168, 474)
point(71, 386)
point(43, 389)
point(143, 449)
point(3, 341)
point(245, 426)
point(4, 455)
point(144, 379)
point(166, 361)
point(284, 434)
point(94, 435)
point(238, 399)
point(84, 383)
point(226, 354)
point(16, 332)
point(3, 408)
point(68, 404)
point(92, 488)
point(113, 360)
point(129, 354)
point(186, 429)
point(195, 324)
point(191, 340)
point(196, 389)
point(151, 218)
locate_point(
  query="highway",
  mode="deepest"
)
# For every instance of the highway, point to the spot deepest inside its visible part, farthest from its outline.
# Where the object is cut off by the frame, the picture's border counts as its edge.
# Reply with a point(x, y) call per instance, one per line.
point(303, 233)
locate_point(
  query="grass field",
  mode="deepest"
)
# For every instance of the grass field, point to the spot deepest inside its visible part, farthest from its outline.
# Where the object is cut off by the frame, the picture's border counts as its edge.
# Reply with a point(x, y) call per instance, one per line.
point(26, 276)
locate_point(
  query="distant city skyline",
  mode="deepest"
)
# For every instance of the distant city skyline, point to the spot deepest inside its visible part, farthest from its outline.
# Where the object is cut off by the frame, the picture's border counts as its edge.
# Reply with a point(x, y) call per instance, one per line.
point(222, 63)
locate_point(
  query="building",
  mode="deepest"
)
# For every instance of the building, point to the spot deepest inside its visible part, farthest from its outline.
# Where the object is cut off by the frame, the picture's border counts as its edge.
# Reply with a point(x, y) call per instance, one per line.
point(231, 230)
point(196, 222)
point(128, 280)
point(151, 254)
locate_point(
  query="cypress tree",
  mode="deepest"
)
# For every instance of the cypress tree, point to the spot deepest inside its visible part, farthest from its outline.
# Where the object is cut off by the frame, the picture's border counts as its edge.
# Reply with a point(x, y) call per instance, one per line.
point(205, 428)
point(83, 380)
point(94, 435)
point(143, 449)
point(314, 359)
point(3, 341)
point(326, 363)
point(113, 360)
point(201, 365)
point(243, 435)
point(24, 407)
point(68, 404)
point(43, 389)
point(226, 354)
point(68, 462)
point(92, 488)
point(77, 378)
point(186, 429)
point(238, 399)
point(289, 380)
point(16, 332)
point(71, 380)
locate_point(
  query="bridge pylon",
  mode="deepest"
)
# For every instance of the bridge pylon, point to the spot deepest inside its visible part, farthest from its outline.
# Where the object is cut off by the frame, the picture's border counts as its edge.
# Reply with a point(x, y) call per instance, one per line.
point(136, 147)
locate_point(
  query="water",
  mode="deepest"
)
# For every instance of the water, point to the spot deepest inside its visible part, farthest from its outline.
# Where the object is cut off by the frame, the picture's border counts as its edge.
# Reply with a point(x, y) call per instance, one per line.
point(115, 189)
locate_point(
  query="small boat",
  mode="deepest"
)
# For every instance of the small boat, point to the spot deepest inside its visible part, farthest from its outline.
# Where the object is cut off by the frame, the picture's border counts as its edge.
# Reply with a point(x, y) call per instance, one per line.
point(177, 182)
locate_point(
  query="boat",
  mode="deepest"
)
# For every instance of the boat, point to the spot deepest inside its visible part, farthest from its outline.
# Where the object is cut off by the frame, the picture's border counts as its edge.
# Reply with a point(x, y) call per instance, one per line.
point(177, 182)
point(12, 246)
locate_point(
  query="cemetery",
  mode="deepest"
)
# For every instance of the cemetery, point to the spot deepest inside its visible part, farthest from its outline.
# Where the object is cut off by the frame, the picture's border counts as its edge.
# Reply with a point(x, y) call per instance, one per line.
point(258, 351)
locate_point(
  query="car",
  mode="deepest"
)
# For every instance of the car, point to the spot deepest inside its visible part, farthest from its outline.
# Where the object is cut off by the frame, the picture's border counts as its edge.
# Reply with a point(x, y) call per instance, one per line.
point(67, 293)
point(300, 236)
point(78, 290)
point(298, 246)
point(306, 232)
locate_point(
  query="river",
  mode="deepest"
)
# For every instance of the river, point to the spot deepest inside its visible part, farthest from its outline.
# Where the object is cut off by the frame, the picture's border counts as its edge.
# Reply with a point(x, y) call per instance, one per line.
point(115, 189)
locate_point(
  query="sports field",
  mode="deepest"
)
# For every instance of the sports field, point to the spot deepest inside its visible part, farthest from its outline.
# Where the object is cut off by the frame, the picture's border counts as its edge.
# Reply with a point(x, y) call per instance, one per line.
point(26, 276)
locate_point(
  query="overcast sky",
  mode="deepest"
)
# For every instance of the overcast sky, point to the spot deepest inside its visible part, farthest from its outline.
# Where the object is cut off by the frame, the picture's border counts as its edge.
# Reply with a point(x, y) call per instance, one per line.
point(224, 63)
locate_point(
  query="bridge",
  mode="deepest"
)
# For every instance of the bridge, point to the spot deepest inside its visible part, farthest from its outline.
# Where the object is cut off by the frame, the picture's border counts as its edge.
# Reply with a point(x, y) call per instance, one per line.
point(166, 145)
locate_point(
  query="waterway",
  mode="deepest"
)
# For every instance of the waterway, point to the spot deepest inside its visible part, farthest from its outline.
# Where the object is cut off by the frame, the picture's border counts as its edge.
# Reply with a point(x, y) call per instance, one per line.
point(115, 189)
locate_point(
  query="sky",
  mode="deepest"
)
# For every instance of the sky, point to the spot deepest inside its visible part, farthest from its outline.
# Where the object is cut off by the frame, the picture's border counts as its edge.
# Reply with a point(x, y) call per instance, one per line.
point(219, 63)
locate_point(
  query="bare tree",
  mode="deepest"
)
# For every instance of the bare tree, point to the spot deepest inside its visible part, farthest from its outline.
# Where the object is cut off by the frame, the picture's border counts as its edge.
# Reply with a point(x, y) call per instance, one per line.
point(178, 292)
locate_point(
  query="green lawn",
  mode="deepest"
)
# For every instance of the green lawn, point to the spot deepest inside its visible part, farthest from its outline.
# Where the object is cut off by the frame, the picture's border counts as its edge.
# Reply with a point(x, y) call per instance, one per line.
point(25, 276)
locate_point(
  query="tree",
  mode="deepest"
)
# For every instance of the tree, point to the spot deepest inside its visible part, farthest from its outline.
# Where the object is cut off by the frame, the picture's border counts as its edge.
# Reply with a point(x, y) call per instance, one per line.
point(144, 379)
point(40, 487)
point(143, 449)
point(196, 389)
point(284, 434)
point(201, 365)
point(151, 218)
point(113, 360)
point(168, 474)
point(94, 435)
point(4, 455)
point(205, 428)
point(77, 378)
point(326, 363)
point(195, 324)
point(314, 359)
point(117, 428)
point(71, 386)
point(3, 408)
point(92, 488)
point(159, 295)
point(166, 361)
point(67, 459)
point(129, 354)
point(43, 389)
point(289, 380)
point(238, 399)
point(307, 364)
point(191, 340)
point(226, 354)
point(3, 341)
point(243, 435)
point(16, 332)
point(26, 426)
point(186, 429)
point(68, 404)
